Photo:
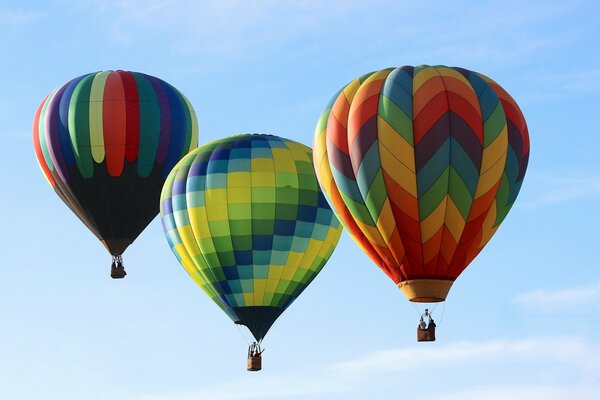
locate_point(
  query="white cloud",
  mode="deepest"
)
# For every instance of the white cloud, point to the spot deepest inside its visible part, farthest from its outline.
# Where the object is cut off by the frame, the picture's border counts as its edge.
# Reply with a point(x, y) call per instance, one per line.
point(499, 369)
point(18, 17)
point(546, 86)
point(561, 298)
point(423, 32)
point(545, 190)
point(227, 27)
point(525, 393)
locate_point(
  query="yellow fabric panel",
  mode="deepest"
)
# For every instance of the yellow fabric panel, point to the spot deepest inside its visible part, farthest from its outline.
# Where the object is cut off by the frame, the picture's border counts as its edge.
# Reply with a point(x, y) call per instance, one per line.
point(283, 160)
point(197, 214)
point(371, 233)
point(452, 73)
point(423, 76)
point(262, 165)
point(432, 224)
point(200, 229)
point(241, 196)
point(488, 179)
point(189, 265)
point(325, 175)
point(217, 212)
point(386, 222)
point(238, 179)
point(392, 140)
point(259, 291)
point(320, 152)
point(194, 120)
point(96, 125)
point(290, 270)
point(188, 240)
point(215, 196)
point(495, 150)
point(273, 279)
point(454, 220)
point(263, 179)
point(249, 299)
point(349, 92)
point(299, 151)
point(311, 252)
point(331, 240)
point(367, 90)
point(398, 171)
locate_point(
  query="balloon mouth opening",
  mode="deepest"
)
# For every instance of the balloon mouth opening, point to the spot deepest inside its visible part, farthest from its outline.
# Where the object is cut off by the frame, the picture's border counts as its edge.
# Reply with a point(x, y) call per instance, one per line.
point(427, 299)
point(426, 290)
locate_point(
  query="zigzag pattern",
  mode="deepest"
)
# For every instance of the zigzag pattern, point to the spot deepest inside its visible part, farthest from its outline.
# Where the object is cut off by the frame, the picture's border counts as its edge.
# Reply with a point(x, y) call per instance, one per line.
point(422, 164)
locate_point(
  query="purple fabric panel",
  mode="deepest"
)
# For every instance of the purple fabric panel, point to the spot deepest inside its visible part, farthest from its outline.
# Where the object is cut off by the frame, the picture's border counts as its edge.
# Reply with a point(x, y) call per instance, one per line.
point(165, 119)
point(52, 131)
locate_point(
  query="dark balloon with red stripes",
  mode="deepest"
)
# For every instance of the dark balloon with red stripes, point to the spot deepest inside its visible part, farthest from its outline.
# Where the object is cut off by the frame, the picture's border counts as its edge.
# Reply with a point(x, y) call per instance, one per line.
point(106, 141)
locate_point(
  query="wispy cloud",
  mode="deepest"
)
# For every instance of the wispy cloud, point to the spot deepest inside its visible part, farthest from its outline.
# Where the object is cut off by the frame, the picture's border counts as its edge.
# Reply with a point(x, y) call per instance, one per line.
point(238, 28)
point(495, 370)
point(18, 17)
point(524, 392)
point(561, 298)
point(547, 86)
point(545, 190)
point(227, 27)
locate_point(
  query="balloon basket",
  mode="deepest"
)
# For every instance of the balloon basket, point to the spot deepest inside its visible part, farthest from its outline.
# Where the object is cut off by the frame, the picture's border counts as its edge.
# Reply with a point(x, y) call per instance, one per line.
point(117, 270)
point(426, 335)
point(426, 331)
point(254, 363)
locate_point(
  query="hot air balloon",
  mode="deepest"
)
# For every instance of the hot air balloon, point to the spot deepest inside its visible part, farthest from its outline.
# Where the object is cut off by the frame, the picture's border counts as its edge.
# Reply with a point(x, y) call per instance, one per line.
point(105, 142)
point(245, 217)
point(421, 165)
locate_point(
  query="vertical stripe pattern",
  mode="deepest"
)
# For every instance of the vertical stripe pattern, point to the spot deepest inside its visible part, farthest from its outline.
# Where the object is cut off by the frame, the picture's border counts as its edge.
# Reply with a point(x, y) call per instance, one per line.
point(103, 119)
point(106, 141)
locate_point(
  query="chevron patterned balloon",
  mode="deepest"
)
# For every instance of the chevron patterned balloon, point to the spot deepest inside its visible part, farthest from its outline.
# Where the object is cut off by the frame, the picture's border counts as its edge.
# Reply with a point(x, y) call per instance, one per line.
point(421, 165)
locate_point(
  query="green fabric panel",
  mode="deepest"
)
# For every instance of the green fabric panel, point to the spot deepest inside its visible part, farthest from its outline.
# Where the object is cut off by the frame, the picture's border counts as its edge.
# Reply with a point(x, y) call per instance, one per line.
point(393, 115)
point(432, 198)
point(42, 132)
point(458, 192)
point(502, 208)
point(435, 166)
point(376, 196)
point(187, 144)
point(149, 126)
point(358, 210)
point(79, 126)
point(322, 123)
point(463, 165)
point(493, 126)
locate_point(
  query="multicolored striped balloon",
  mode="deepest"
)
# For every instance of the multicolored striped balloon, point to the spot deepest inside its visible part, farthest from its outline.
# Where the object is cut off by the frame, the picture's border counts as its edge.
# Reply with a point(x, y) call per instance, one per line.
point(106, 141)
point(421, 165)
point(246, 219)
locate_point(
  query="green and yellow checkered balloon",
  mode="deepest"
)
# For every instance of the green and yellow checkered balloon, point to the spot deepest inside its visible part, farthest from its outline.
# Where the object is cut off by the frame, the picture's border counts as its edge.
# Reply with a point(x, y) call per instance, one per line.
point(247, 220)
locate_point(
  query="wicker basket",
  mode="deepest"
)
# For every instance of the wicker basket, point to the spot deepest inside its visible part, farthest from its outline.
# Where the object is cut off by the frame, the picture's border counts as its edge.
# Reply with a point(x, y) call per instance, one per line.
point(426, 335)
point(254, 363)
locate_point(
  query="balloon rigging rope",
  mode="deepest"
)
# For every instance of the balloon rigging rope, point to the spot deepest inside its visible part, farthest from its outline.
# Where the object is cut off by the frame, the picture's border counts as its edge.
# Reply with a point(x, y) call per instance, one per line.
point(419, 313)
point(242, 334)
point(442, 317)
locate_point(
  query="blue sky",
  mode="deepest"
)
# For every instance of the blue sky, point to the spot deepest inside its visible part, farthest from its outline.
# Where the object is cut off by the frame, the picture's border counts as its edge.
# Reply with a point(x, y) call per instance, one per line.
point(521, 322)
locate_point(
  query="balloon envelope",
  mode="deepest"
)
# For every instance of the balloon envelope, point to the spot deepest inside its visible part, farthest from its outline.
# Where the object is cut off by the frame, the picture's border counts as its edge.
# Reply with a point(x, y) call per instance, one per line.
point(421, 165)
point(106, 141)
point(246, 218)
